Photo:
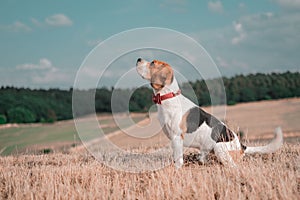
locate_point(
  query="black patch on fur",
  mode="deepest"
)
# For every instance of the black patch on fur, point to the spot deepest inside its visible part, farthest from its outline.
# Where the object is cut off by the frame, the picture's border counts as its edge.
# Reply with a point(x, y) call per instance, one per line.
point(243, 147)
point(196, 117)
point(220, 133)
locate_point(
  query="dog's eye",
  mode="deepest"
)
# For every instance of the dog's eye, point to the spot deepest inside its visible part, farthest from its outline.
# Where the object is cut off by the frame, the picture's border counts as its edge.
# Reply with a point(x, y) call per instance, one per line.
point(152, 63)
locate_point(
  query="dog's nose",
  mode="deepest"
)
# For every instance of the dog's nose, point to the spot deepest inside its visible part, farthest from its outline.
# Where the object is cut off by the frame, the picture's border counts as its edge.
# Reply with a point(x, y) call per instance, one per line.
point(138, 60)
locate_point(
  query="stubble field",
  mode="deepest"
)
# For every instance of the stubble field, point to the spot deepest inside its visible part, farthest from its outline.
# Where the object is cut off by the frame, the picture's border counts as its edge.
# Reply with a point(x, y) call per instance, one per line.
point(78, 175)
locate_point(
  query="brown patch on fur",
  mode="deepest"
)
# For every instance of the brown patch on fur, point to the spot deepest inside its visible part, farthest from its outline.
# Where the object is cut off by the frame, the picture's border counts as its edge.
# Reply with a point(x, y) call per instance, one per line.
point(236, 155)
point(182, 136)
point(161, 74)
point(157, 86)
point(183, 125)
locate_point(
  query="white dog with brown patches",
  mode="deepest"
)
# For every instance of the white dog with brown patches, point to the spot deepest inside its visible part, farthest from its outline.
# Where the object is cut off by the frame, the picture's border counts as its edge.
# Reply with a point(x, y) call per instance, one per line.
point(186, 124)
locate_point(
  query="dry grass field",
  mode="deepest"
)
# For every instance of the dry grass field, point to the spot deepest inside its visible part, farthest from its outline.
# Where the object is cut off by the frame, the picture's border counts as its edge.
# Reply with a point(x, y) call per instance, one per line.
point(61, 176)
point(78, 175)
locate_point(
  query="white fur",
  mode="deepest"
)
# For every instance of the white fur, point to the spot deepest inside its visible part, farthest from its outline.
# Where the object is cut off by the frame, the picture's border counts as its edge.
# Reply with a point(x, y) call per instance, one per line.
point(170, 113)
point(274, 145)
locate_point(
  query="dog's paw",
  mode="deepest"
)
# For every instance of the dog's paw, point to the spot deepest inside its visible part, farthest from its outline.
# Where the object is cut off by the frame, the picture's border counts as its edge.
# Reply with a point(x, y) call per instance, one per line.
point(179, 163)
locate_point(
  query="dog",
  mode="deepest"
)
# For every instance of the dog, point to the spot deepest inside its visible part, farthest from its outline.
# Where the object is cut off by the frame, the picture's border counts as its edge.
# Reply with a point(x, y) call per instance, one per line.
point(187, 125)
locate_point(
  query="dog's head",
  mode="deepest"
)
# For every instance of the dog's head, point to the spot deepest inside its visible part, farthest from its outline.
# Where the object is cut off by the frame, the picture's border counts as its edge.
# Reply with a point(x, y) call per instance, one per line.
point(157, 72)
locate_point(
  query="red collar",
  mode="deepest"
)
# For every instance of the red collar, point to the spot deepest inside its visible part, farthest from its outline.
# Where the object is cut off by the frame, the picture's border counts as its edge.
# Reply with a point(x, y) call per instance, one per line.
point(157, 99)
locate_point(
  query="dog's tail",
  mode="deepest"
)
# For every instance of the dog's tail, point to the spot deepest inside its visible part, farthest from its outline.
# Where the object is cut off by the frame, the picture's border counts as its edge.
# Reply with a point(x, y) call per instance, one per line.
point(273, 146)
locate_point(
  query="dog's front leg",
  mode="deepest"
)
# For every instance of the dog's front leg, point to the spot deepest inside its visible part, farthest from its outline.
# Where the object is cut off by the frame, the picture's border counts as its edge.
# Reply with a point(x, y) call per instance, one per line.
point(177, 146)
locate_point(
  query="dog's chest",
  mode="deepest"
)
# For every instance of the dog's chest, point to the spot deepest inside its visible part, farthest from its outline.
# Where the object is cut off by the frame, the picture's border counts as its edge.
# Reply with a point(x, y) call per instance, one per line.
point(169, 120)
point(170, 115)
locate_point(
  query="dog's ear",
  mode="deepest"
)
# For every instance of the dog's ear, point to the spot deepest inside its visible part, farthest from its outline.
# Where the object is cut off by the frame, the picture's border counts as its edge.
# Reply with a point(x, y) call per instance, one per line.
point(163, 75)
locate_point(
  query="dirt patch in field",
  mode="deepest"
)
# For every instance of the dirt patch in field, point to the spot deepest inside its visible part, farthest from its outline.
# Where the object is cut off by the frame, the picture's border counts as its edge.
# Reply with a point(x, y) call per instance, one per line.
point(259, 119)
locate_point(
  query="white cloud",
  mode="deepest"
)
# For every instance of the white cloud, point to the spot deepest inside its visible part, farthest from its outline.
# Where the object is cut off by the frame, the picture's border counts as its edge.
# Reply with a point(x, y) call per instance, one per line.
point(221, 62)
point(271, 31)
point(44, 73)
point(51, 77)
point(44, 64)
point(230, 64)
point(215, 6)
point(238, 27)
point(289, 4)
point(242, 5)
point(58, 20)
point(266, 41)
point(17, 26)
point(36, 22)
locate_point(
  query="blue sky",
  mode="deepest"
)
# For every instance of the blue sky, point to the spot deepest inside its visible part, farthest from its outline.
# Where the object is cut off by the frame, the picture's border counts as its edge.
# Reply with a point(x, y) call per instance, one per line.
point(43, 43)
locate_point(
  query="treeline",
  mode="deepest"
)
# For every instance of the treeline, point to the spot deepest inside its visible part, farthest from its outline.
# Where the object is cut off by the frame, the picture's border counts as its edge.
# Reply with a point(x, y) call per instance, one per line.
point(252, 87)
point(23, 105)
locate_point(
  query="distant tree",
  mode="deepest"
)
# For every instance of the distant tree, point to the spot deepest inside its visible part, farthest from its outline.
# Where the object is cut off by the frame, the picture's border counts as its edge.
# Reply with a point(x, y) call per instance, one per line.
point(141, 100)
point(103, 100)
point(51, 116)
point(20, 115)
point(247, 94)
point(3, 119)
point(187, 91)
